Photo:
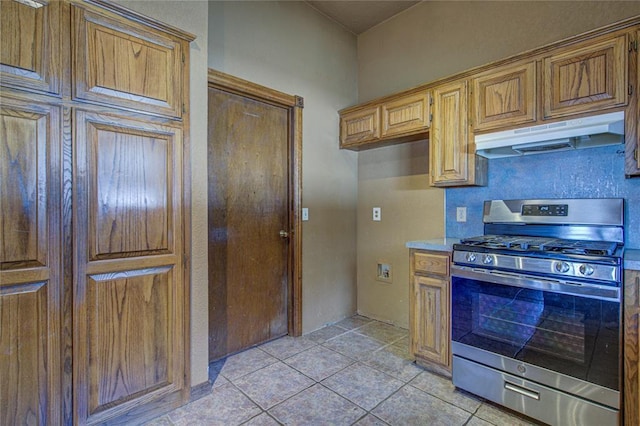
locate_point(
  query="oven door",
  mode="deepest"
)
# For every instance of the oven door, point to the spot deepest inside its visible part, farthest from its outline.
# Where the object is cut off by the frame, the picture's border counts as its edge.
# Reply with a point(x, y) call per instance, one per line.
point(561, 334)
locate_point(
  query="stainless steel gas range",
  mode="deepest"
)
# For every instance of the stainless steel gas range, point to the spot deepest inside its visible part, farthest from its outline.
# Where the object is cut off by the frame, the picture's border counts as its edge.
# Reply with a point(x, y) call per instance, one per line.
point(536, 309)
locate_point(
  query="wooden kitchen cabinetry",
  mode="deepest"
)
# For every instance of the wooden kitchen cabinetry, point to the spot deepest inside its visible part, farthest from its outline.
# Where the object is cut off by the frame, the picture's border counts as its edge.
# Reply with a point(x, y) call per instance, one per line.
point(397, 119)
point(451, 150)
point(505, 97)
point(631, 347)
point(93, 288)
point(588, 76)
point(632, 136)
point(429, 301)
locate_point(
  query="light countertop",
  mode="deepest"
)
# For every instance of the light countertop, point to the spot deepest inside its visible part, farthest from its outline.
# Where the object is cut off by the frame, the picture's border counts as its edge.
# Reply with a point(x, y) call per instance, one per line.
point(436, 244)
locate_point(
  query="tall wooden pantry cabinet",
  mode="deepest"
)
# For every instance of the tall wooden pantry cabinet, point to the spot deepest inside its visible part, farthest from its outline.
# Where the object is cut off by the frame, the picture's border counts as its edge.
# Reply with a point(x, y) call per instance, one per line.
point(94, 231)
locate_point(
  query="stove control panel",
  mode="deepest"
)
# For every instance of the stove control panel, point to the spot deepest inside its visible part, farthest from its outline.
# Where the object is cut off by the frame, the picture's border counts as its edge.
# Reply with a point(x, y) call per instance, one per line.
point(545, 210)
point(539, 265)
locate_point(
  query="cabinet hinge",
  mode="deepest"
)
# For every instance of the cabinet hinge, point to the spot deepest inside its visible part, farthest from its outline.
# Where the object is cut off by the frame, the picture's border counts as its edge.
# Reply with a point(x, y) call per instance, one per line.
point(633, 46)
point(430, 117)
point(184, 58)
point(630, 89)
point(430, 100)
point(184, 109)
point(635, 154)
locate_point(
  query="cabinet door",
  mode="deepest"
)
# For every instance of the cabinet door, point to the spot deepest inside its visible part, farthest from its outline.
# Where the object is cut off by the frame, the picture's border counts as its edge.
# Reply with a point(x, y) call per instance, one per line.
point(449, 139)
point(129, 292)
point(406, 115)
point(30, 278)
point(30, 45)
point(360, 126)
point(505, 97)
point(632, 137)
point(588, 77)
point(122, 63)
point(430, 324)
point(631, 348)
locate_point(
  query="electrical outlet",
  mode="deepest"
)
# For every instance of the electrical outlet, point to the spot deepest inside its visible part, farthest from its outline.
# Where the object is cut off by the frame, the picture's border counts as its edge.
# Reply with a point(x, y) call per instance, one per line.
point(305, 214)
point(461, 214)
point(377, 214)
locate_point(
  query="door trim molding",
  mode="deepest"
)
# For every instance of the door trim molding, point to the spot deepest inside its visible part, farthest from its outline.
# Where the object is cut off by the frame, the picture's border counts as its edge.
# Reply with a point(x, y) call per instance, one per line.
point(293, 104)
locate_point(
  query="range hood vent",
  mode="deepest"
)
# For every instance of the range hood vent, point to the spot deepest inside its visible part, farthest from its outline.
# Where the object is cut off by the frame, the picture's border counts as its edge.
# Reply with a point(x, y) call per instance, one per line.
point(585, 132)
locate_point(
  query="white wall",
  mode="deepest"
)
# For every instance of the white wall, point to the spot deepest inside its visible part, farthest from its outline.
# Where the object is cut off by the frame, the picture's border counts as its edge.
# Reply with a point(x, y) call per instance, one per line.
point(290, 47)
point(191, 16)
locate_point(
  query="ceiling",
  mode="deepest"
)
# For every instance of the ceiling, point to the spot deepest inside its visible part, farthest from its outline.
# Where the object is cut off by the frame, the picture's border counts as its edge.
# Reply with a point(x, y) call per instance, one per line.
point(359, 16)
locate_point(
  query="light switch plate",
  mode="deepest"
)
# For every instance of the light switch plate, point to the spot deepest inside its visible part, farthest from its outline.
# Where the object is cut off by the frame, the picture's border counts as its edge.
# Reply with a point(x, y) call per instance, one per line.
point(305, 214)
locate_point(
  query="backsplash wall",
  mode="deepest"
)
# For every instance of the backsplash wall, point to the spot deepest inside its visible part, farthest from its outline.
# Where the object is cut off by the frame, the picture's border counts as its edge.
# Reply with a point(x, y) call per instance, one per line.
point(586, 173)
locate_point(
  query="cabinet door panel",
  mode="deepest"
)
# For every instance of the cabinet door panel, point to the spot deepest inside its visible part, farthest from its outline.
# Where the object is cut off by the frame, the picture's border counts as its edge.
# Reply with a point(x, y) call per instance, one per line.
point(30, 45)
point(431, 324)
point(359, 127)
point(409, 114)
point(505, 97)
point(129, 335)
point(131, 197)
point(30, 280)
point(586, 79)
point(448, 143)
point(129, 290)
point(124, 64)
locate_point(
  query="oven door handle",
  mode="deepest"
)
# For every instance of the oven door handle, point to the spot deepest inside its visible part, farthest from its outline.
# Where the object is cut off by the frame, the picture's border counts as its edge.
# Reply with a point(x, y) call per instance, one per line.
point(592, 291)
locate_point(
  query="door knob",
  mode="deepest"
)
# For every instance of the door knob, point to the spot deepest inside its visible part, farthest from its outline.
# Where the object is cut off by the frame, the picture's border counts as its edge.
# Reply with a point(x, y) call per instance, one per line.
point(284, 234)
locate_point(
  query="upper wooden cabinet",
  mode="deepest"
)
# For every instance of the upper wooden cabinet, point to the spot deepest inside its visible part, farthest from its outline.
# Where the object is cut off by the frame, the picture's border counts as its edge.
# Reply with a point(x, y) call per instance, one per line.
point(405, 115)
point(505, 96)
point(123, 63)
point(30, 46)
point(359, 127)
point(451, 152)
point(586, 77)
point(401, 118)
point(632, 136)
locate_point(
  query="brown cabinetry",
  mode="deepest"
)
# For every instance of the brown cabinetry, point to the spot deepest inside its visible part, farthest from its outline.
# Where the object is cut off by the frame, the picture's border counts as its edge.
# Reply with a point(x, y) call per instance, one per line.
point(30, 272)
point(429, 320)
point(124, 63)
point(30, 46)
point(451, 152)
point(586, 77)
point(93, 289)
point(631, 348)
point(632, 142)
point(397, 119)
point(505, 96)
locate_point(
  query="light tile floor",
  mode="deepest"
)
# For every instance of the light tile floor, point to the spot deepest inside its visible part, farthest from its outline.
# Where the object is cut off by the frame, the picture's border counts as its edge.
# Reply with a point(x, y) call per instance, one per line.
point(356, 372)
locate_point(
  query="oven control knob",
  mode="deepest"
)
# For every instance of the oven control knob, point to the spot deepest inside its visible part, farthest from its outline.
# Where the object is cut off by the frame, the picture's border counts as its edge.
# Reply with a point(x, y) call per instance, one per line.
point(487, 259)
point(471, 257)
point(562, 267)
point(586, 270)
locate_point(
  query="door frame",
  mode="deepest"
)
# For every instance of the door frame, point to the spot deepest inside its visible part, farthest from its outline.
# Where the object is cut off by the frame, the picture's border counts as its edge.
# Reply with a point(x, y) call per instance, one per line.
point(293, 104)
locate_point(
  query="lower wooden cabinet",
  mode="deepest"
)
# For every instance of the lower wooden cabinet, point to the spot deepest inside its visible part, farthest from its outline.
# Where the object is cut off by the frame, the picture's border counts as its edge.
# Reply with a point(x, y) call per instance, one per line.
point(631, 348)
point(429, 310)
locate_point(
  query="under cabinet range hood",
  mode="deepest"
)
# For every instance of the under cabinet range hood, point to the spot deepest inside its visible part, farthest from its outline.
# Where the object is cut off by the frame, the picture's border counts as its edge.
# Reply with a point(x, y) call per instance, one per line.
point(584, 132)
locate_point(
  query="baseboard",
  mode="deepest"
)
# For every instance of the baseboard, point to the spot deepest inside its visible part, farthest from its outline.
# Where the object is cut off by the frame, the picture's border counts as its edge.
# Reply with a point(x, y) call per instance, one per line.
point(201, 390)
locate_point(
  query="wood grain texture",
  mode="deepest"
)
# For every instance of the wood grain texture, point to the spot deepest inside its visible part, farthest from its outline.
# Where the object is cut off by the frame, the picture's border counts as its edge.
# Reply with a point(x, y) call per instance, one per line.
point(126, 64)
point(631, 347)
point(586, 78)
point(30, 277)
point(23, 185)
point(129, 339)
point(632, 119)
point(30, 46)
point(429, 322)
point(448, 142)
point(407, 114)
point(248, 207)
point(505, 97)
point(131, 177)
point(23, 354)
point(129, 310)
point(359, 127)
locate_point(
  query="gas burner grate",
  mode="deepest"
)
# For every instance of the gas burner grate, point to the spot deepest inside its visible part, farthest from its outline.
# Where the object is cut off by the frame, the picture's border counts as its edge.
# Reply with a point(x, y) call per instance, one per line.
point(531, 244)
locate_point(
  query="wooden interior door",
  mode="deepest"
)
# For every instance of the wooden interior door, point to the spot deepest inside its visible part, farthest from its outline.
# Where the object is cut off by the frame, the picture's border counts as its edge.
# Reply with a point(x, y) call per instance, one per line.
point(248, 206)
point(129, 330)
point(30, 273)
